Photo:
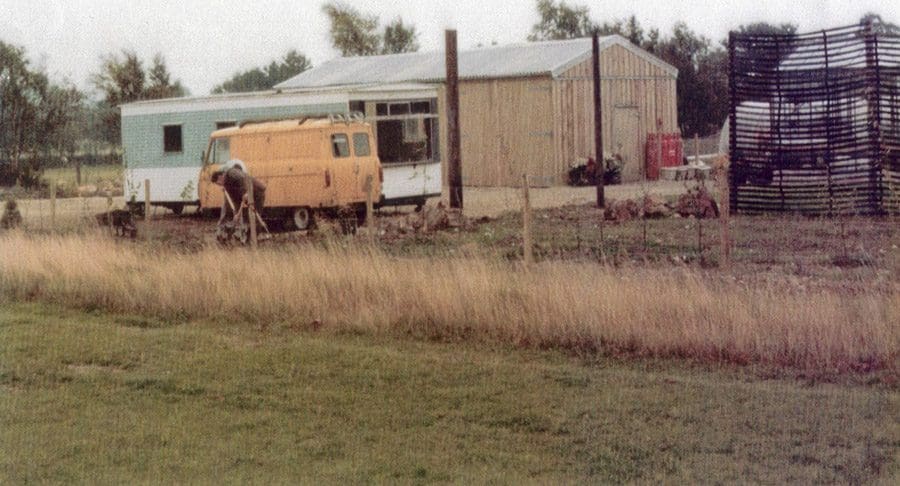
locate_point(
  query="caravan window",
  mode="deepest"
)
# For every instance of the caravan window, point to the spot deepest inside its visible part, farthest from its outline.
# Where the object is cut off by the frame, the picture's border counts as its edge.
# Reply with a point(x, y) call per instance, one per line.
point(171, 138)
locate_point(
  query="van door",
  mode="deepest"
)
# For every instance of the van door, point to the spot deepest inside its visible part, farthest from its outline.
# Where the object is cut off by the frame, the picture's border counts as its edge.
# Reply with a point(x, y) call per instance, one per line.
point(345, 169)
point(366, 165)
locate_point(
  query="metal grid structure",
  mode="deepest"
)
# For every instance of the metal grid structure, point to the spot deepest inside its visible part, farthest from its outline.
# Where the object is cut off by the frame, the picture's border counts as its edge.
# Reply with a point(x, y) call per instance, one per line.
point(815, 121)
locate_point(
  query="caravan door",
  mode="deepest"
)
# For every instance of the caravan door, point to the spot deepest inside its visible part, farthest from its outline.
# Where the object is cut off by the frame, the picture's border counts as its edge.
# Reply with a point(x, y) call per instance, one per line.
point(406, 133)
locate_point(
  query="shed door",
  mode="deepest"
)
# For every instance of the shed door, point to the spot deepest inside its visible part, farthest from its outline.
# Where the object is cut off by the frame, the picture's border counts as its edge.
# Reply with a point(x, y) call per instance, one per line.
point(626, 141)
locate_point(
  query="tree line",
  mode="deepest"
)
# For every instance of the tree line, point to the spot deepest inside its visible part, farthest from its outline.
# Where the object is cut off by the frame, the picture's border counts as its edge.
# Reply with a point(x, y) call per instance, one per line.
point(40, 116)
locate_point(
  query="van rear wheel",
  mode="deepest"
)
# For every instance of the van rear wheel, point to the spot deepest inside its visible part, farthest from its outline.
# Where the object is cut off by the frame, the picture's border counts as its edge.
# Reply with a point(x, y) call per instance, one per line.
point(302, 218)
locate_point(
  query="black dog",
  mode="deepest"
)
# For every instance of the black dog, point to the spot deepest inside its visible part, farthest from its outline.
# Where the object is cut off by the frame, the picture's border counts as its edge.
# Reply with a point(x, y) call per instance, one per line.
point(120, 219)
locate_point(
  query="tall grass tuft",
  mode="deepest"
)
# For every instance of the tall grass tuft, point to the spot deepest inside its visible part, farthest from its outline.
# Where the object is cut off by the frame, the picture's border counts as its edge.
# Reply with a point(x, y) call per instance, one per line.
point(573, 306)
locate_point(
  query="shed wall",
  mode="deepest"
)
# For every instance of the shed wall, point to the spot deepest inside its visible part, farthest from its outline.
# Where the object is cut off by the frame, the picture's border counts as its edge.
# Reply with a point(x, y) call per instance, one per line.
point(635, 93)
point(506, 130)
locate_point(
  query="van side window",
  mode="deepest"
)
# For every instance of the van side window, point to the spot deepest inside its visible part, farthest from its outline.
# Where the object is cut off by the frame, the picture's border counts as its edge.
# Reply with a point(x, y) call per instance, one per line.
point(340, 146)
point(361, 145)
point(221, 151)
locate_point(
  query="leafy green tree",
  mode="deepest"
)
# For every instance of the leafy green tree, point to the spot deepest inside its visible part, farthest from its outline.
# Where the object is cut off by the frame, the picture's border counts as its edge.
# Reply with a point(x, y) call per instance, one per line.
point(291, 65)
point(356, 34)
point(561, 21)
point(35, 114)
point(633, 31)
point(260, 79)
point(17, 95)
point(62, 113)
point(161, 85)
point(881, 26)
point(122, 79)
point(399, 37)
point(687, 50)
point(352, 33)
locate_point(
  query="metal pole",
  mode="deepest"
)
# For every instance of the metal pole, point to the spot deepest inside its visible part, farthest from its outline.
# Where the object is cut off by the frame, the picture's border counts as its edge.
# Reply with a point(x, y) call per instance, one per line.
point(454, 166)
point(600, 166)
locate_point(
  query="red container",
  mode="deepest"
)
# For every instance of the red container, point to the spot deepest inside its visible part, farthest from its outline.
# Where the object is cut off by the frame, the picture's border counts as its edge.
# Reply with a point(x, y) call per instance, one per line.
point(672, 150)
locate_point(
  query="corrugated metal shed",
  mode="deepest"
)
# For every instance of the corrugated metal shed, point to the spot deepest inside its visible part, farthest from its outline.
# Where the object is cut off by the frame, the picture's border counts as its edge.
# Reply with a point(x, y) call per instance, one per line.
point(510, 61)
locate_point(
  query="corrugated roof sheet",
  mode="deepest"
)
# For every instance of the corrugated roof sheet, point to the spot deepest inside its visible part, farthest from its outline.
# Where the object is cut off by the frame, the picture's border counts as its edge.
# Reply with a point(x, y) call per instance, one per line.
point(516, 60)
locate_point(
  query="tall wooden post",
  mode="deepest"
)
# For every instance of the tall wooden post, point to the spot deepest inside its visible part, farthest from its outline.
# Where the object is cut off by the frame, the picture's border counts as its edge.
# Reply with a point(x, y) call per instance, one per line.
point(724, 211)
point(526, 222)
point(370, 210)
point(696, 149)
point(454, 165)
point(659, 144)
point(600, 166)
point(53, 204)
point(146, 199)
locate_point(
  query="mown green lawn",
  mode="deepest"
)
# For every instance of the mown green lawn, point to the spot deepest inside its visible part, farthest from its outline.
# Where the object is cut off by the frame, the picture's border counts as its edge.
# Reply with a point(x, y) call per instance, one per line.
point(106, 398)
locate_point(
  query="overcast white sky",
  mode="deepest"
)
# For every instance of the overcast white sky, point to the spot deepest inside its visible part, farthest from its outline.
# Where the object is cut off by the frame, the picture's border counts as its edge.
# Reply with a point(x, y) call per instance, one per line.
point(204, 42)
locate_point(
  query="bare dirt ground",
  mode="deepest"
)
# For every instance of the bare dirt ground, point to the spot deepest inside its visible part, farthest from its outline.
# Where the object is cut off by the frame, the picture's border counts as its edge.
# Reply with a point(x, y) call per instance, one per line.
point(566, 226)
point(479, 201)
point(494, 201)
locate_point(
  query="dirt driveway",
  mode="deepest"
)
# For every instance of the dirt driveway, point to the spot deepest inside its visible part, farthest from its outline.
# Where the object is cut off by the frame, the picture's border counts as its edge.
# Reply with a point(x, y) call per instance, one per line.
point(478, 201)
point(493, 201)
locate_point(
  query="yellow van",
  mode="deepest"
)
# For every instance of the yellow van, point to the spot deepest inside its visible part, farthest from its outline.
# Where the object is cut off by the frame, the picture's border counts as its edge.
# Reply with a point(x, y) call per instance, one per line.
point(309, 165)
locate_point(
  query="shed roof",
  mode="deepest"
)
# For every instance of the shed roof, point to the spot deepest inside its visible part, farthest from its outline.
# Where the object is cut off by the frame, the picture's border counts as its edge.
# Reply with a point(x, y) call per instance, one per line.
point(514, 60)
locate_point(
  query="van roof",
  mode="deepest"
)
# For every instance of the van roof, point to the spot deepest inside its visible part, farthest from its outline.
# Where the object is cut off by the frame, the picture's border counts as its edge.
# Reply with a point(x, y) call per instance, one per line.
point(287, 125)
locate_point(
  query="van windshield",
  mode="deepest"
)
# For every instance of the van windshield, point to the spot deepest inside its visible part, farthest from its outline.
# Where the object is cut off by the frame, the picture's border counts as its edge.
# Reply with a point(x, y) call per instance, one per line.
point(220, 152)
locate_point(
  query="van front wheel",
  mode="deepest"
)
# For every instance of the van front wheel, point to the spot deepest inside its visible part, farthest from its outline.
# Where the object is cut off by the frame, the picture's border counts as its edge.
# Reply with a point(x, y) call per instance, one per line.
point(302, 218)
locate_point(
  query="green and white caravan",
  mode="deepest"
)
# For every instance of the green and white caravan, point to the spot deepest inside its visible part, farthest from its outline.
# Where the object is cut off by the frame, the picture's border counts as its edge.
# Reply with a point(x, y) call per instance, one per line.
point(164, 140)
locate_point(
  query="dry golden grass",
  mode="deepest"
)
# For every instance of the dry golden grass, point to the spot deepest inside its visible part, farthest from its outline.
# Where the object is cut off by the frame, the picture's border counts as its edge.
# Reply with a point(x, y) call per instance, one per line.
point(576, 306)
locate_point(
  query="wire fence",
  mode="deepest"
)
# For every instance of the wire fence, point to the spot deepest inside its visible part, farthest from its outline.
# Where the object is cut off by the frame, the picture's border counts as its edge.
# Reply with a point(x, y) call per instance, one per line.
point(815, 121)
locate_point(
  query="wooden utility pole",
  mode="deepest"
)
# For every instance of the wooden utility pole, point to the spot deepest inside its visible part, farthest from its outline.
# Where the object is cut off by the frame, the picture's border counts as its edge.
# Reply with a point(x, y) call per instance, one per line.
point(146, 199)
point(454, 166)
point(370, 210)
point(600, 163)
point(53, 204)
point(526, 222)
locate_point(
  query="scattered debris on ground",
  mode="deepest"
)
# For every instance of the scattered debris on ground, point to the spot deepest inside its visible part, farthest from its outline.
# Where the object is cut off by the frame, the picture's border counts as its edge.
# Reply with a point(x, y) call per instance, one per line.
point(697, 202)
point(121, 220)
point(585, 174)
point(11, 218)
point(429, 219)
point(649, 207)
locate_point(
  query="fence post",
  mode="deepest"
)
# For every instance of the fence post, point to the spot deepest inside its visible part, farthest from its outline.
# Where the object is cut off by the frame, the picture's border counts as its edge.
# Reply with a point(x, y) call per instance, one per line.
point(724, 212)
point(370, 210)
point(146, 199)
point(251, 214)
point(526, 222)
point(696, 149)
point(52, 204)
point(108, 214)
